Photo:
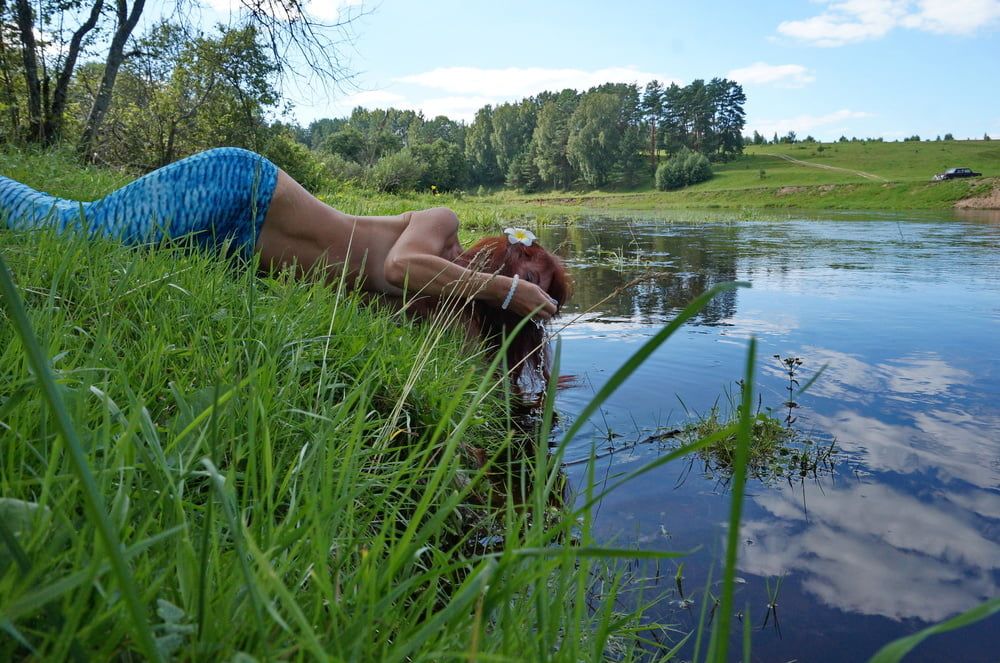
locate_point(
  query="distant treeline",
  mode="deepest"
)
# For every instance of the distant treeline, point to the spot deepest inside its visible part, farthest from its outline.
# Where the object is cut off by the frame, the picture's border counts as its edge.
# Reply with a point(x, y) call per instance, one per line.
point(610, 135)
point(174, 90)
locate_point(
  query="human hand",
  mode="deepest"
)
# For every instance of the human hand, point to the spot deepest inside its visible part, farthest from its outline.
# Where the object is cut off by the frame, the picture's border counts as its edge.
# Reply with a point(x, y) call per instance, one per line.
point(528, 297)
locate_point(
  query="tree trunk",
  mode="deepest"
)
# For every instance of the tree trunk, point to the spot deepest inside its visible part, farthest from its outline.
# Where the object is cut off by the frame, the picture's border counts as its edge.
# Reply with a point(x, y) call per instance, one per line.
point(653, 156)
point(126, 24)
point(8, 82)
point(26, 26)
point(54, 113)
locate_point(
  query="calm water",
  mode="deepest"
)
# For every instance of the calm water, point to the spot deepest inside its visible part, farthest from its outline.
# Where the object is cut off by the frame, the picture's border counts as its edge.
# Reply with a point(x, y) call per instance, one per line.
point(904, 528)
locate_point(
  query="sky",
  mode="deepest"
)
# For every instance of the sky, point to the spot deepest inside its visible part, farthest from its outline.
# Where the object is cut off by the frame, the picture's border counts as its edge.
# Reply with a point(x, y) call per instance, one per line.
point(826, 68)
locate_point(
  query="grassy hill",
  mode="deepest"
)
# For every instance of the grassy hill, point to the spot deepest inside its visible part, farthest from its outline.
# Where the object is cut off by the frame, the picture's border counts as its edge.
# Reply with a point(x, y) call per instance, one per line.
point(820, 175)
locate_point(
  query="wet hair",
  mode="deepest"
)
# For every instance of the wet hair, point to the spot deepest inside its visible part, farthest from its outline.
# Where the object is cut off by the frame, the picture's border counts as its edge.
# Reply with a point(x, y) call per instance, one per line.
point(528, 352)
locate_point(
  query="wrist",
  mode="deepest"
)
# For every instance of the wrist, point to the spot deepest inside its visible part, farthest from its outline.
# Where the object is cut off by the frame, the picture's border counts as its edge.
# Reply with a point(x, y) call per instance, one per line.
point(496, 289)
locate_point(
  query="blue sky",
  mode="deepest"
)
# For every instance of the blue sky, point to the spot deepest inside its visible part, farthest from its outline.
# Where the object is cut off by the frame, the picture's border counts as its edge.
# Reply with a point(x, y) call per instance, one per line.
point(889, 68)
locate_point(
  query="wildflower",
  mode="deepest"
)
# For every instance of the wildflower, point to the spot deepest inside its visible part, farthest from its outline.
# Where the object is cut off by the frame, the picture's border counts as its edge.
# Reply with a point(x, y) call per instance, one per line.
point(520, 236)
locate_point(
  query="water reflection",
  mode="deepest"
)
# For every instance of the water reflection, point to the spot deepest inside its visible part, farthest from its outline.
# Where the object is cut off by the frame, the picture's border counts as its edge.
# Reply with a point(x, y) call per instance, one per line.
point(679, 268)
point(903, 313)
point(874, 550)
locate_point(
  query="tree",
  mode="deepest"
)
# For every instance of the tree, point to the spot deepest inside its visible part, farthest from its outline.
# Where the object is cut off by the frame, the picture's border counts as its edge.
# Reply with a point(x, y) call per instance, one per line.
point(550, 137)
point(727, 99)
point(705, 117)
point(47, 104)
point(513, 125)
point(125, 22)
point(683, 168)
point(652, 108)
point(185, 91)
point(479, 152)
point(594, 137)
point(443, 164)
point(348, 143)
point(319, 130)
point(397, 172)
point(440, 128)
point(523, 173)
point(281, 26)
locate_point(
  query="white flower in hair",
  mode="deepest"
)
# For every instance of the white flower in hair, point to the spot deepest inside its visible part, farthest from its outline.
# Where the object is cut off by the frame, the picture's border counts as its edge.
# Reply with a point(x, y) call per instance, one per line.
point(520, 236)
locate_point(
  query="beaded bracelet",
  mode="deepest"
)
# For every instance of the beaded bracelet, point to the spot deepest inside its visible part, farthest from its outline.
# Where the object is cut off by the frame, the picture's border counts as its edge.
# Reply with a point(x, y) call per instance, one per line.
point(510, 293)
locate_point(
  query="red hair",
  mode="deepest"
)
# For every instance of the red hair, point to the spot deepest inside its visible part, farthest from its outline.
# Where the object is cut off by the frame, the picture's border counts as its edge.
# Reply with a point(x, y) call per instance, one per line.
point(529, 349)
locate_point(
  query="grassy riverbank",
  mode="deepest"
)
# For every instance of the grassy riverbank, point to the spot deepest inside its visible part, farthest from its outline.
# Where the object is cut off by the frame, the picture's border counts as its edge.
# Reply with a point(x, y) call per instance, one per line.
point(202, 464)
point(861, 175)
point(292, 474)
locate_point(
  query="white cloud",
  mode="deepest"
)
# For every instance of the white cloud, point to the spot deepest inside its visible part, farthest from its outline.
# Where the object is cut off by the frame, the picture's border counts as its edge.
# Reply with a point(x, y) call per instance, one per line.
point(873, 550)
point(326, 11)
point(955, 17)
point(519, 82)
point(371, 98)
point(803, 124)
point(761, 73)
point(467, 89)
point(848, 21)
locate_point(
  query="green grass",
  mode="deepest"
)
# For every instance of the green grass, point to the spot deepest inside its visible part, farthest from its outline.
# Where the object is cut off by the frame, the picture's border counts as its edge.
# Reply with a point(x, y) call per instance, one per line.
point(903, 171)
point(200, 464)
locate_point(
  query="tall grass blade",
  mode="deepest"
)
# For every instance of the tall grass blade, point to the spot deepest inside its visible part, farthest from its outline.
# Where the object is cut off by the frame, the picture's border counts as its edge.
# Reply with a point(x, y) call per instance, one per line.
point(93, 500)
point(736, 506)
point(897, 649)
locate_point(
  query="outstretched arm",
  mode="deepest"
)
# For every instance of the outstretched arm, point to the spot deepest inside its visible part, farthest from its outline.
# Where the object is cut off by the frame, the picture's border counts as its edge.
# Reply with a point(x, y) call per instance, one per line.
point(420, 260)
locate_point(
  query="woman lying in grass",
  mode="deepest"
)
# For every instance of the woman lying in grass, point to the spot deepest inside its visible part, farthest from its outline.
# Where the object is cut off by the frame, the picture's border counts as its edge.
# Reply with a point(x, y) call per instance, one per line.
point(235, 201)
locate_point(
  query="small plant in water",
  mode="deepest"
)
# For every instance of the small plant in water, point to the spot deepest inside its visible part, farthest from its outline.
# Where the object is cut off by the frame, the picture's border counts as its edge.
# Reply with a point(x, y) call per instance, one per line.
point(772, 604)
point(777, 448)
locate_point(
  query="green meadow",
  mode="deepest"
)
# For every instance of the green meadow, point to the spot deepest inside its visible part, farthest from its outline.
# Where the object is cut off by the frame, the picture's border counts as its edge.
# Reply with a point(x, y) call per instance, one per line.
point(199, 463)
point(851, 175)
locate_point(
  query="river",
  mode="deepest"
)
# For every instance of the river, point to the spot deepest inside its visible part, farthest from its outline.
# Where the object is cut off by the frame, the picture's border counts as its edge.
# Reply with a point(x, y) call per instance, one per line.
point(900, 526)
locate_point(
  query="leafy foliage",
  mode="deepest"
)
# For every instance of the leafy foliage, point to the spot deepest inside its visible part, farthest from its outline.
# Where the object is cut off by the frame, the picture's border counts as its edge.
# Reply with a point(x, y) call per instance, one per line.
point(397, 172)
point(683, 168)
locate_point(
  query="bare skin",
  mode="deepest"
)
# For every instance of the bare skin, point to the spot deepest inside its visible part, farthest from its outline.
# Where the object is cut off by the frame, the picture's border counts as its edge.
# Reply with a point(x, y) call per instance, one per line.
point(384, 254)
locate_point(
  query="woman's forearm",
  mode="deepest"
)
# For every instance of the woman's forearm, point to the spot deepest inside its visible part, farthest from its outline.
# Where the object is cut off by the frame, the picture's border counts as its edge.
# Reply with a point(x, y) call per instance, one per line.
point(433, 275)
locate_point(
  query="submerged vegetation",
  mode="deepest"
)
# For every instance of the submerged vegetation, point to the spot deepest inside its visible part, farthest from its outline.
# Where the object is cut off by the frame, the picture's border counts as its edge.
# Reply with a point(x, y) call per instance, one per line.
point(778, 449)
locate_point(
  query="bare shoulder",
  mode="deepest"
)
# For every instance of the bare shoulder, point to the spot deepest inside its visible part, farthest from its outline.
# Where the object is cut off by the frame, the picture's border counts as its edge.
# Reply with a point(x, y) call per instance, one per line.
point(429, 231)
point(436, 219)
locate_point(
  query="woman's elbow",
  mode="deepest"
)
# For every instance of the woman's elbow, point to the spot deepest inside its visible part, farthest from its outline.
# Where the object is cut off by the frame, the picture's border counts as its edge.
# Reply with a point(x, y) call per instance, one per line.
point(395, 271)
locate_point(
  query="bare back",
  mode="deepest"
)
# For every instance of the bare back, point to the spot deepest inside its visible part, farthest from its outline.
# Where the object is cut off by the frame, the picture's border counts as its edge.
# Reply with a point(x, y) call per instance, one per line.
point(301, 231)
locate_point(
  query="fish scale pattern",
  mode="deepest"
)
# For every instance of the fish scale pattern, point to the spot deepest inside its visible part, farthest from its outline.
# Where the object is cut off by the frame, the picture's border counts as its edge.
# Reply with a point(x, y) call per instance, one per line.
point(218, 198)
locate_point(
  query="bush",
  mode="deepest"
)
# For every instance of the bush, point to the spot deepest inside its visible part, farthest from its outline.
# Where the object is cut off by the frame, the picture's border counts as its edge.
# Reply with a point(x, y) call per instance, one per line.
point(396, 172)
point(298, 161)
point(344, 170)
point(444, 164)
point(683, 168)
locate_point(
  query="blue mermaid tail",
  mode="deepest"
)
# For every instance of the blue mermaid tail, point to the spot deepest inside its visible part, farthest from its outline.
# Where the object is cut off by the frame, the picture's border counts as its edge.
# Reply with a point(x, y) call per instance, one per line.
point(218, 198)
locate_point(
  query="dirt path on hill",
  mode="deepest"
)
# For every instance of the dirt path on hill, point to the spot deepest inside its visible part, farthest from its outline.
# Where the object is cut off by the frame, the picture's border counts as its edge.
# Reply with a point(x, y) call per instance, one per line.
point(859, 173)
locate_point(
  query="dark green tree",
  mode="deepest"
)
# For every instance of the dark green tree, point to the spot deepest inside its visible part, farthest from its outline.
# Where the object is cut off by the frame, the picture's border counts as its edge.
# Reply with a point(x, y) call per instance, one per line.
point(652, 107)
point(479, 152)
point(319, 130)
point(595, 136)
point(443, 162)
point(513, 126)
point(550, 137)
point(348, 142)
